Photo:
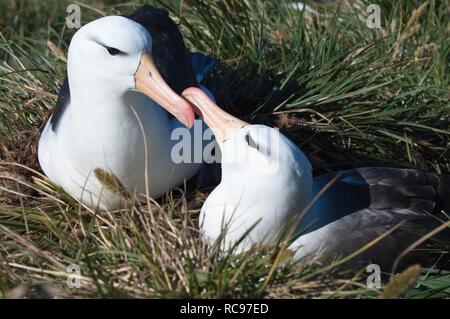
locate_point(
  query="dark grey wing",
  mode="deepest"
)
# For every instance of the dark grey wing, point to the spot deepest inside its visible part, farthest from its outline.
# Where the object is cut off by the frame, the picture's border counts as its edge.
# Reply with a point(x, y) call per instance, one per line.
point(62, 103)
point(346, 235)
point(378, 188)
point(168, 49)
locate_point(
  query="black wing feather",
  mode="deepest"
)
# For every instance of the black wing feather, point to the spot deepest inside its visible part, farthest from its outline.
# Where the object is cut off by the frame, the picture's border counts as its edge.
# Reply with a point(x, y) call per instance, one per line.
point(388, 188)
point(378, 188)
point(62, 103)
point(343, 237)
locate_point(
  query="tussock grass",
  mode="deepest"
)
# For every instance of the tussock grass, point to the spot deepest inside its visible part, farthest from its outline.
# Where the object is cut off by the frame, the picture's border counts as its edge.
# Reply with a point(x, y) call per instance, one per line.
point(348, 95)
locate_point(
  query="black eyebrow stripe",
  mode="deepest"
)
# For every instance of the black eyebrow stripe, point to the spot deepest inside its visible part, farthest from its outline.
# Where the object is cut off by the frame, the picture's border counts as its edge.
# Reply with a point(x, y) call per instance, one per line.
point(107, 47)
point(115, 50)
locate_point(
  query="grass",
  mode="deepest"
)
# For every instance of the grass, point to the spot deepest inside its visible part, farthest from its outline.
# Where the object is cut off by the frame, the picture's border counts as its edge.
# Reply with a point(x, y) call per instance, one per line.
point(348, 95)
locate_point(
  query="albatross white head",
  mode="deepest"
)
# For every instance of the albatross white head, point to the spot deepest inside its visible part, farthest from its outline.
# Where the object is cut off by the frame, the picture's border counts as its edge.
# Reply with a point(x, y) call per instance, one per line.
point(115, 55)
point(266, 178)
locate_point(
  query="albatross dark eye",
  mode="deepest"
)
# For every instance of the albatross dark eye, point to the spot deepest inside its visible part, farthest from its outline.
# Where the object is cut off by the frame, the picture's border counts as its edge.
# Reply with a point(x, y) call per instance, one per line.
point(250, 142)
point(113, 51)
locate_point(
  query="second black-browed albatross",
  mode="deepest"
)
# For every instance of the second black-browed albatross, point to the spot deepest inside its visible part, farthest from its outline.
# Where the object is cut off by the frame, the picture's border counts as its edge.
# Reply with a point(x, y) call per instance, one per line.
point(115, 108)
point(267, 186)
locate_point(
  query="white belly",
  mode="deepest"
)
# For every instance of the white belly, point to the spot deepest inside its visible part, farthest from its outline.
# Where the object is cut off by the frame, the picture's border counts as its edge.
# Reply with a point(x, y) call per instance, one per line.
point(118, 145)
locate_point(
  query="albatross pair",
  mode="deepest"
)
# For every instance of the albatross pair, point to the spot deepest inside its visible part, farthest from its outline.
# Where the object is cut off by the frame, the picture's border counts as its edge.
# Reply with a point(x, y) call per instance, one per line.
point(125, 77)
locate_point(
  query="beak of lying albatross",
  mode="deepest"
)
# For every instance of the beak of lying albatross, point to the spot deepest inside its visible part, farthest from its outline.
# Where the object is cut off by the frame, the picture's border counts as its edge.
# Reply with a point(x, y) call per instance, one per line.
point(222, 124)
point(150, 82)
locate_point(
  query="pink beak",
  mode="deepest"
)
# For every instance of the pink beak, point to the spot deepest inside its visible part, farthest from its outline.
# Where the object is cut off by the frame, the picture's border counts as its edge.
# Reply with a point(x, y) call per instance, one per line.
point(150, 82)
point(222, 124)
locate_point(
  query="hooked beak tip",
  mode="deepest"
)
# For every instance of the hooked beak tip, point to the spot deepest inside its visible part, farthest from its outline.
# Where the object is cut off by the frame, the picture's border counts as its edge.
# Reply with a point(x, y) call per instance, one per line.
point(150, 82)
point(186, 115)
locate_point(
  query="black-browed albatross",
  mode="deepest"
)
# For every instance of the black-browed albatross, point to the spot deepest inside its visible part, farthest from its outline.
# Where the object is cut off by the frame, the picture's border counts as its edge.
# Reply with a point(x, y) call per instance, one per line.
point(267, 183)
point(118, 107)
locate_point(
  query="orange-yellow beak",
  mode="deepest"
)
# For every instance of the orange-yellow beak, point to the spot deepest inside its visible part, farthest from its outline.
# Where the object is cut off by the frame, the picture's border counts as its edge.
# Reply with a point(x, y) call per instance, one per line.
point(150, 82)
point(222, 124)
